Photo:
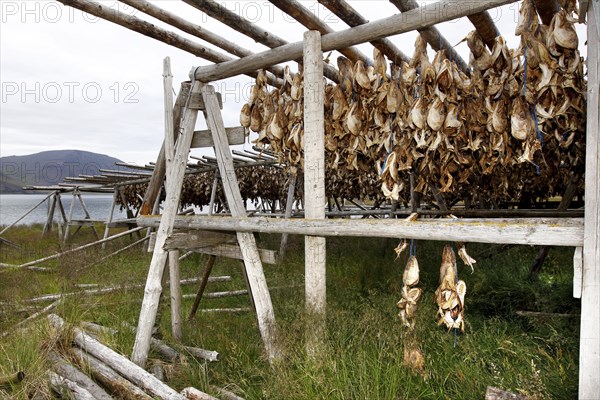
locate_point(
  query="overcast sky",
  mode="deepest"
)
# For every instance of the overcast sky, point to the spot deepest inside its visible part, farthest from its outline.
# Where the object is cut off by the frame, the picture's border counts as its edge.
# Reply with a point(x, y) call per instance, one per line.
point(71, 81)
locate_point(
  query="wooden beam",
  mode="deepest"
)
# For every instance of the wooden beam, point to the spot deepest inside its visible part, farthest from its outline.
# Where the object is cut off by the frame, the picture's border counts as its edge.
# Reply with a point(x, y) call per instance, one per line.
point(203, 138)
point(311, 21)
point(159, 257)
point(432, 35)
point(314, 191)
point(193, 240)
point(233, 251)
point(147, 29)
point(485, 26)
point(530, 231)
point(242, 25)
point(350, 16)
point(253, 268)
point(193, 29)
point(422, 17)
point(589, 344)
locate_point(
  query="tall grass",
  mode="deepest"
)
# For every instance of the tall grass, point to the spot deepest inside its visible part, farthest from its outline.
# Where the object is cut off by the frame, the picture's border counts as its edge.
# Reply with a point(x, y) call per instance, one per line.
point(363, 357)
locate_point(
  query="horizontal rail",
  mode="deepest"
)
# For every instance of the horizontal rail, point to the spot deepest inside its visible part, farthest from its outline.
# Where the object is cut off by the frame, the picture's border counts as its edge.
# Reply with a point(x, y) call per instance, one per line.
point(531, 231)
point(422, 17)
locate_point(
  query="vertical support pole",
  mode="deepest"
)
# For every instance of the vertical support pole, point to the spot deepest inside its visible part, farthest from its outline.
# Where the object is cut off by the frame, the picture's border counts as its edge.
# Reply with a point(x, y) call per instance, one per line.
point(62, 216)
point(314, 189)
point(175, 291)
point(289, 207)
point(158, 174)
point(203, 281)
point(50, 218)
point(71, 208)
point(174, 274)
point(153, 287)
point(87, 214)
point(254, 271)
point(589, 344)
point(110, 216)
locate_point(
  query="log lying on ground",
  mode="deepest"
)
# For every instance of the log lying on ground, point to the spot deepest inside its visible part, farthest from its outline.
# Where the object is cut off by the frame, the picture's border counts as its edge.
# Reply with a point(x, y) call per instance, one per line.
point(118, 385)
point(64, 386)
point(163, 349)
point(191, 393)
point(119, 363)
point(58, 296)
point(226, 394)
point(63, 368)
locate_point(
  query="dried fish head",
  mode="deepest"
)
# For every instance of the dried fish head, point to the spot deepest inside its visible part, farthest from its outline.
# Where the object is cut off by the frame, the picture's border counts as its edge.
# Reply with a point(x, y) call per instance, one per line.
point(360, 75)
point(563, 31)
point(379, 63)
point(521, 120)
point(418, 114)
point(411, 272)
point(255, 118)
point(436, 115)
point(245, 116)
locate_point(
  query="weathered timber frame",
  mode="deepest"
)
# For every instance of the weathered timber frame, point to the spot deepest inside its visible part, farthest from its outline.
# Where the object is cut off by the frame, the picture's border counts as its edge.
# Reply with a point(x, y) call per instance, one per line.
point(583, 234)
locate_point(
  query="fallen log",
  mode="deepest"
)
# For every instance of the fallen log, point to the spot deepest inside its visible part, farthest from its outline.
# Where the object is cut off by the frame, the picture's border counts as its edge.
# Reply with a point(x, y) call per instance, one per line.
point(63, 368)
point(64, 387)
point(119, 363)
point(226, 394)
point(191, 393)
point(118, 385)
point(163, 349)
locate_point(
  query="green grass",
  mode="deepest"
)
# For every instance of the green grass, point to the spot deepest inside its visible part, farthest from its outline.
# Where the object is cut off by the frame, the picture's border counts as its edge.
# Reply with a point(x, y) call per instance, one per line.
point(363, 357)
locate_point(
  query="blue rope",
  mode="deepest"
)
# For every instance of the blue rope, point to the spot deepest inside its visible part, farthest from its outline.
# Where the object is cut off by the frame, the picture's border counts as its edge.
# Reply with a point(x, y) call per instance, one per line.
point(412, 248)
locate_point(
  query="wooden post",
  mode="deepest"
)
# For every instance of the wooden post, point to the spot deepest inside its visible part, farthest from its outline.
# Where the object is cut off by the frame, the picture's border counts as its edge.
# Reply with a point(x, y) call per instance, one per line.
point(63, 215)
point(314, 188)
point(158, 174)
point(203, 281)
point(87, 213)
point(175, 290)
point(252, 263)
point(70, 218)
point(289, 207)
point(159, 257)
point(589, 345)
point(50, 218)
point(110, 216)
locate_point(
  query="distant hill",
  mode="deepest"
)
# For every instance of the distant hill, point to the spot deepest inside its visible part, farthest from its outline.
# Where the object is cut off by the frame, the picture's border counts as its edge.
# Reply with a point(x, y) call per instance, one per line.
point(49, 168)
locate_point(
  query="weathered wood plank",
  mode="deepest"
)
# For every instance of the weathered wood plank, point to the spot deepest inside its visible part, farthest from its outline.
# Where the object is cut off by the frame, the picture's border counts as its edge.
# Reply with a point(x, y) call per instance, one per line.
point(422, 17)
point(192, 240)
point(350, 16)
point(577, 271)
point(534, 231)
point(197, 102)
point(233, 251)
point(159, 257)
point(160, 167)
point(122, 365)
point(253, 267)
point(312, 22)
point(203, 138)
point(314, 191)
point(589, 344)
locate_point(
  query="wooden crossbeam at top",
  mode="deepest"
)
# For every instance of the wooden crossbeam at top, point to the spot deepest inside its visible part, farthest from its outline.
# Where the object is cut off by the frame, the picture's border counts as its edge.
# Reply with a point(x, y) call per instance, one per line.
point(419, 18)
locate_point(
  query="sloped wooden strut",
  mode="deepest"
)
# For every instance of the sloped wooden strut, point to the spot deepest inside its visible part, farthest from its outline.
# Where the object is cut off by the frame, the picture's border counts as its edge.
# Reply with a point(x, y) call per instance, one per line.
point(253, 266)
